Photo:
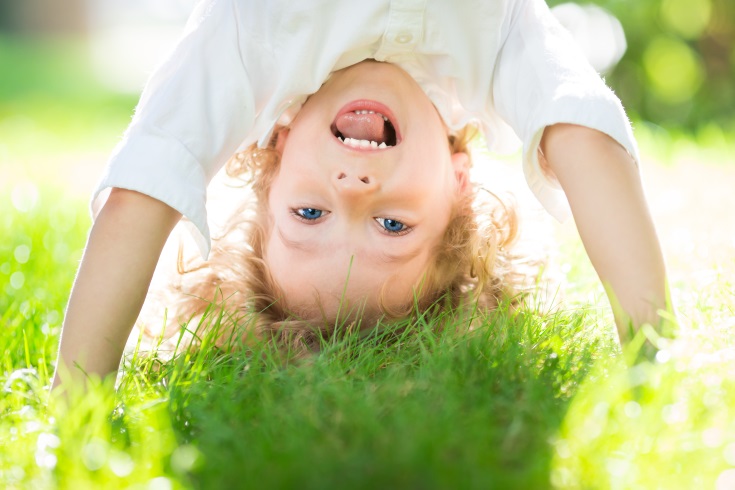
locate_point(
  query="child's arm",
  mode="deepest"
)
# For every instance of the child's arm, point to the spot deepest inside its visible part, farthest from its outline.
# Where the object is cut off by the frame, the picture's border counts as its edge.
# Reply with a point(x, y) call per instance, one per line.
point(604, 190)
point(121, 254)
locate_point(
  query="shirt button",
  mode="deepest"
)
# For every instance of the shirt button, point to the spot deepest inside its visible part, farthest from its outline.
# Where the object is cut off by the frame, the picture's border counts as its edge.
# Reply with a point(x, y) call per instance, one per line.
point(404, 38)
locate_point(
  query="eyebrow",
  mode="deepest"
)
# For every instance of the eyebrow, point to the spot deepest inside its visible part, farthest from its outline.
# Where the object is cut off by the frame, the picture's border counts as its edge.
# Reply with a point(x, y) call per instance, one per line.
point(392, 258)
point(383, 256)
point(297, 244)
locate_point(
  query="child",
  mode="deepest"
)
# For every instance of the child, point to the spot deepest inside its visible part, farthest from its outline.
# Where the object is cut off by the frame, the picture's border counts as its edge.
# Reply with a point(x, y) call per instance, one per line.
point(243, 68)
point(377, 230)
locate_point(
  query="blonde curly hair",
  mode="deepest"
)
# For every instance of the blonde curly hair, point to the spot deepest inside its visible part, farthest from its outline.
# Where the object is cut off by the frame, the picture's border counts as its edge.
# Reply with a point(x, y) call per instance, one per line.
point(472, 265)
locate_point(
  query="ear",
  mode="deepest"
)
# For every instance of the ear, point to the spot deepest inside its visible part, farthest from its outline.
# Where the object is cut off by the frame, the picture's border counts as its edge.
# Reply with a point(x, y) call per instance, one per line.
point(281, 137)
point(461, 166)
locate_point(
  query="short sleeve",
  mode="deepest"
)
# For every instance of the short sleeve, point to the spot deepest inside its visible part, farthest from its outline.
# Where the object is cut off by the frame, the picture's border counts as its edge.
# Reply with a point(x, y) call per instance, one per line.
point(192, 116)
point(541, 79)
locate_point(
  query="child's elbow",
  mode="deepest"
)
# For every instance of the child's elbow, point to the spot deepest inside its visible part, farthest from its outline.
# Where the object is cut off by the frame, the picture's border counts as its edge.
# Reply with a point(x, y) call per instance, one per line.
point(570, 136)
point(568, 144)
point(144, 207)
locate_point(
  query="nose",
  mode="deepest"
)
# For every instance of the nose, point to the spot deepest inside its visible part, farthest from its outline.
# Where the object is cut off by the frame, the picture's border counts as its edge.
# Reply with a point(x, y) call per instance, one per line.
point(355, 183)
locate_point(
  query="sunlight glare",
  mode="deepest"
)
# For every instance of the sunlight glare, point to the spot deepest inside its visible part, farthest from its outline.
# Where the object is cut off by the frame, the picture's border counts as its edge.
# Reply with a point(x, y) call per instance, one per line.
point(24, 196)
point(45, 445)
point(713, 437)
point(726, 480)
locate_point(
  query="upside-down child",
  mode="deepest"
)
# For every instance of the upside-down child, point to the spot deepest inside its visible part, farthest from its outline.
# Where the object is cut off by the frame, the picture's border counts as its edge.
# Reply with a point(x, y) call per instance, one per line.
point(351, 121)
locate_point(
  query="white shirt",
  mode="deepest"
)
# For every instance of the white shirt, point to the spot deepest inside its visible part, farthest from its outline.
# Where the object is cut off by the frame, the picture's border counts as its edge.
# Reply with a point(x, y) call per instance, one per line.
point(243, 65)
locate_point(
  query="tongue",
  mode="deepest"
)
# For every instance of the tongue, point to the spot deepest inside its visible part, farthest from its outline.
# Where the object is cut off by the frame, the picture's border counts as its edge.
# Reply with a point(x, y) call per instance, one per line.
point(370, 127)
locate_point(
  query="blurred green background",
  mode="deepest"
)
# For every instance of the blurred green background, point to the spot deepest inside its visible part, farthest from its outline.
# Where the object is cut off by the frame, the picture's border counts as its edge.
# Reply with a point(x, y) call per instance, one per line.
point(60, 68)
point(679, 67)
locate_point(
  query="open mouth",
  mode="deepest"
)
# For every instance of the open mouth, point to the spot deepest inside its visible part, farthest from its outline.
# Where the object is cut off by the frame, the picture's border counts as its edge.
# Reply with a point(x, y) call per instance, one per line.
point(366, 125)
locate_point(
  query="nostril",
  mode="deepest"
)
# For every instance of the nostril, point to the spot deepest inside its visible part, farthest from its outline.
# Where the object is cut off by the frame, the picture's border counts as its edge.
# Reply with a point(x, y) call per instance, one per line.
point(341, 176)
point(365, 180)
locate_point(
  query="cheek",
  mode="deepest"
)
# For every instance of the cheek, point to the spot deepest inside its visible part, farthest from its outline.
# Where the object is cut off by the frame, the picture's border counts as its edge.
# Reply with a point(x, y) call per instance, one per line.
point(439, 191)
point(292, 281)
point(278, 191)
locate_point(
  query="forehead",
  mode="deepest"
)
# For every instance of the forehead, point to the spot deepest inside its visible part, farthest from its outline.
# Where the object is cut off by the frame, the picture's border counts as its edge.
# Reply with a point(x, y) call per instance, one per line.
point(327, 281)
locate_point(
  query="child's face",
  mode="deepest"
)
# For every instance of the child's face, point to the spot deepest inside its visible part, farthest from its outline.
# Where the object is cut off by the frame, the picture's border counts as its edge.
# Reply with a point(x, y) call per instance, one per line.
point(351, 223)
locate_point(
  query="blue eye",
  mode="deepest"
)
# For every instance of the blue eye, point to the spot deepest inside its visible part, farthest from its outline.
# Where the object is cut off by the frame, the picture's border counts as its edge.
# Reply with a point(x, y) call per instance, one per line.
point(309, 213)
point(392, 226)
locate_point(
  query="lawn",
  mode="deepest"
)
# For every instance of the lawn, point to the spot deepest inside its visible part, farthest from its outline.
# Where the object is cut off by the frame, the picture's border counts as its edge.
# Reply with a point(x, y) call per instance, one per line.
point(538, 398)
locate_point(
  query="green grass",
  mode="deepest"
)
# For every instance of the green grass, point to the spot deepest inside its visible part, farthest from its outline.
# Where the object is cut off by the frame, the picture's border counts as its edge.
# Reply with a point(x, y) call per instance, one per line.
point(531, 399)
point(50, 101)
point(425, 410)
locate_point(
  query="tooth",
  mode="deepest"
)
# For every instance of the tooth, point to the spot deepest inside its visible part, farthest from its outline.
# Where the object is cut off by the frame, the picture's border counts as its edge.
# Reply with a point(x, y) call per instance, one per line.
point(364, 143)
point(373, 144)
point(382, 145)
point(385, 119)
point(371, 112)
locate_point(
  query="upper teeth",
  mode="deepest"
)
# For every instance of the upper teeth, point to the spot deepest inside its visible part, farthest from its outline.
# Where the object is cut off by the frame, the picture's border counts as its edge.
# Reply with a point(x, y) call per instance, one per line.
point(372, 112)
point(355, 143)
point(365, 144)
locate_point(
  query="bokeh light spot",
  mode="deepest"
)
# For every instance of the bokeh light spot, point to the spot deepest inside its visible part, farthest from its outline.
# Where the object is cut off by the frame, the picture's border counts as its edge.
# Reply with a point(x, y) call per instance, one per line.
point(121, 464)
point(686, 17)
point(94, 454)
point(160, 483)
point(22, 253)
point(15, 474)
point(632, 410)
point(729, 454)
point(24, 196)
point(53, 317)
point(45, 444)
point(675, 413)
point(663, 356)
point(726, 480)
point(712, 437)
point(17, 279)
point(185, 458)
point(674, 70)
point(61, 252)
